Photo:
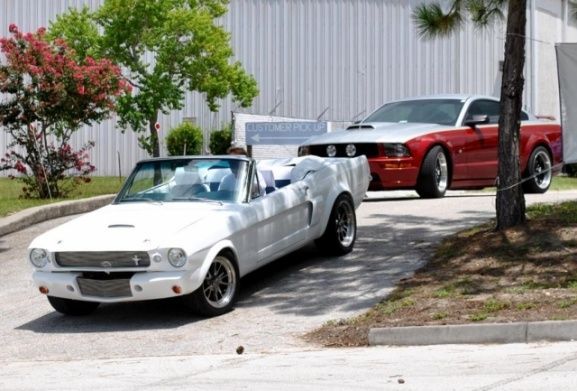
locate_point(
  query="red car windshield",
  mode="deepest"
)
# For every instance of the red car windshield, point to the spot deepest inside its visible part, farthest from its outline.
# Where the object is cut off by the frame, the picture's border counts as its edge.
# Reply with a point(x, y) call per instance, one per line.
point(430, 111)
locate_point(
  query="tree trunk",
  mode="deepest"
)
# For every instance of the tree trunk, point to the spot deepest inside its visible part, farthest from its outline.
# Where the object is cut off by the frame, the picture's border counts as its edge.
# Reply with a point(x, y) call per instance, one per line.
point(510, 197)
point(155, 147)
point(50, 169)
point(34, 160)
point(154, 142)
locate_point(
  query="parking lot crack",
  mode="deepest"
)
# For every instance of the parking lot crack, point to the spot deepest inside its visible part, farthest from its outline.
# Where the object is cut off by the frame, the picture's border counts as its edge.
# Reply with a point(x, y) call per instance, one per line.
point(523, 376)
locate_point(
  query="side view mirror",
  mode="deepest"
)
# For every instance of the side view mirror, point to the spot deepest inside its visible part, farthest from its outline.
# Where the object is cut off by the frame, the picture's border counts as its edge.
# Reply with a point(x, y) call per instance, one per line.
point(477, 120)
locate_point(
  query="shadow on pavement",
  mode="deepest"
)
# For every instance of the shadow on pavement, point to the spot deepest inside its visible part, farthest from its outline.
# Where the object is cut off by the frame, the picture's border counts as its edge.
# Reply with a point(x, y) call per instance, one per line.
point(143, 315)
point(306, 283)
point(4, 246)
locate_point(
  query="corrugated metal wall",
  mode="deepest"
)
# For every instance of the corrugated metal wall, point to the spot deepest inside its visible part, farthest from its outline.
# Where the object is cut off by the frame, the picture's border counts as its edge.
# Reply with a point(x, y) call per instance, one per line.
point(343, 58)
point(350, 56)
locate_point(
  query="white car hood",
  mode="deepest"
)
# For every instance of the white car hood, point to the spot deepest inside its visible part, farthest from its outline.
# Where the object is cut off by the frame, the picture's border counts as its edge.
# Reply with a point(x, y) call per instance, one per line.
point(134, 226)
point(383, 132)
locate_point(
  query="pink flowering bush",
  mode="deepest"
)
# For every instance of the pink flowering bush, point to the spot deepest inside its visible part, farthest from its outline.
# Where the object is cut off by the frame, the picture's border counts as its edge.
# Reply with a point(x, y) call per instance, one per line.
point(47, 96)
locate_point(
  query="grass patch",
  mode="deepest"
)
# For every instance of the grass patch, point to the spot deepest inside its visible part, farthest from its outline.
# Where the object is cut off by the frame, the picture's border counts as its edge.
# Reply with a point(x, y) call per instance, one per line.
point(399, 294)
point(525, 306)
point(10, 201)
point(560, 317)
point(565, 212)
point(566, 303)
point(493, 305)
point(534, 285)
point(443, 293)
point(479, 316)
point(563, 183)
point(439, 315)
point(462, 286)
point(390, 307)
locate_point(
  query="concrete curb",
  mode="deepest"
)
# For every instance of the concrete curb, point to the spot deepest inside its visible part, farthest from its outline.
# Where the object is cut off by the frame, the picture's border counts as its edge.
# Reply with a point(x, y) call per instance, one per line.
point(521, 332)
point(37, 214)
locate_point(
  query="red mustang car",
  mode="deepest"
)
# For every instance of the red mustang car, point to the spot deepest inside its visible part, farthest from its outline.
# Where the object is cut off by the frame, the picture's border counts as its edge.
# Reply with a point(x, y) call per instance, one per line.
point(436, 143)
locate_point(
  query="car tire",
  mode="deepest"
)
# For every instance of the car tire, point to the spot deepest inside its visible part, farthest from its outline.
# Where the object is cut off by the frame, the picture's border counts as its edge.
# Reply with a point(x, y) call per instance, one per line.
point(433, 179)
point(219, 290)
point(538, 171)
point(341, 231)
point(72, 307)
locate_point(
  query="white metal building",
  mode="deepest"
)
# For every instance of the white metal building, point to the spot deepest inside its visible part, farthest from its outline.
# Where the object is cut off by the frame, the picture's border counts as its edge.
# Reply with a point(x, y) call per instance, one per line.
point(336, 60)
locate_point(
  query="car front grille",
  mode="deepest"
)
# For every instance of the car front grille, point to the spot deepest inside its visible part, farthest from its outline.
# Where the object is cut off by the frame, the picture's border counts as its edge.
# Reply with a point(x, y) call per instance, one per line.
point(104, 286)
point(367, 149)
point(104, 259)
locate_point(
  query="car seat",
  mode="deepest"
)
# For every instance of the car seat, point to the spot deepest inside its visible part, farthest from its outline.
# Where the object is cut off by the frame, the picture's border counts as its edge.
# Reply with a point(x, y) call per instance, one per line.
point(187, 183)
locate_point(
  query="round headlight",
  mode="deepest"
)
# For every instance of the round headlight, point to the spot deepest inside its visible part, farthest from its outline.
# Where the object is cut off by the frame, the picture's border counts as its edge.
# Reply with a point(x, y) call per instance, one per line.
point(351, 150)
point(331, 151)
point(39, 257)
point(176, 257)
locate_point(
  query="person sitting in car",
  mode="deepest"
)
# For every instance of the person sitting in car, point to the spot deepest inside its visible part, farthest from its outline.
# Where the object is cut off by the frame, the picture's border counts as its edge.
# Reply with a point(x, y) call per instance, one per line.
point(228, 182)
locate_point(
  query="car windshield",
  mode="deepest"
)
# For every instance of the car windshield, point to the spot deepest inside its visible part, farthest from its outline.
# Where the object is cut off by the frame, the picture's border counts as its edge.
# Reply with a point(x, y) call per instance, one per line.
point(188, 180)
point(431, 111)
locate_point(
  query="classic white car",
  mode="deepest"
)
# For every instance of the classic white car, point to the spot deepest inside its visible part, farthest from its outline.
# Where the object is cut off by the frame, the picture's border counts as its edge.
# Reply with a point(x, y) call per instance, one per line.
point(192, 226)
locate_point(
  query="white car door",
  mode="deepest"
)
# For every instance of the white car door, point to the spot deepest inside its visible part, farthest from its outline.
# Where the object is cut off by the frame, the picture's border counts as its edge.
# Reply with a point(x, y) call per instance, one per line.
point(283, 220)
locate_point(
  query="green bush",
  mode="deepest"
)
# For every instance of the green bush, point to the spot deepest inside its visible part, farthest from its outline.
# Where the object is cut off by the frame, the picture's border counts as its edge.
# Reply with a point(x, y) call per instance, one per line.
point(220, 140)
point(570, 170)
point(185, 139)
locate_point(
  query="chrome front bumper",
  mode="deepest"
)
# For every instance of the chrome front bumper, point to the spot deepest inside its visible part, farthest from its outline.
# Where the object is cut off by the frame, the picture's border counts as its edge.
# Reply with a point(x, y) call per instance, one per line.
point(141, 286)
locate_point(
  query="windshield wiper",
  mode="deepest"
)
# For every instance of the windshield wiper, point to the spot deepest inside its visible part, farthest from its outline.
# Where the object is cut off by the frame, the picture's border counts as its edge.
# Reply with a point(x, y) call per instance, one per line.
point(193, 198)
point(187, 198)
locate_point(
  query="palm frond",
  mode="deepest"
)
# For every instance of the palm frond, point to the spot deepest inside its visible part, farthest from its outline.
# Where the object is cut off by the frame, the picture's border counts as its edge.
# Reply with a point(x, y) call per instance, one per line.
point(485, 12)
point(432, 21)
point(573, 10)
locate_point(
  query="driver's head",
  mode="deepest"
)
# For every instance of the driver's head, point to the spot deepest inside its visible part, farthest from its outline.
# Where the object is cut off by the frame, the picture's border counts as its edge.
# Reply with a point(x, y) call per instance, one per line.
point(236, 151)
point(234, 166)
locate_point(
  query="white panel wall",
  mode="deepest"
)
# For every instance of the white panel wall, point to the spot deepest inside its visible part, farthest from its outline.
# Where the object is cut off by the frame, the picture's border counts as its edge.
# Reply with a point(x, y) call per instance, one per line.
point(339, 59)
point(553, 24)
point(548, 23)
point(350, 56)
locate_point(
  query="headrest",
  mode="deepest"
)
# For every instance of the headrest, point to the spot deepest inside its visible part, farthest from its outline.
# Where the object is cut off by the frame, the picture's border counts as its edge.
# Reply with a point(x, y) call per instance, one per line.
point(268, 177)
point(184, 176)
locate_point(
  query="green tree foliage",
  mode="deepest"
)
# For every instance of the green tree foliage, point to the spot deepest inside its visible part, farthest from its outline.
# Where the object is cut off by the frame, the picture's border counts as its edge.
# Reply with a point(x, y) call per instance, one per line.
point(433, 20)
point(185, 139)
point(165, 48)
point(46, 96)
point(220, 140)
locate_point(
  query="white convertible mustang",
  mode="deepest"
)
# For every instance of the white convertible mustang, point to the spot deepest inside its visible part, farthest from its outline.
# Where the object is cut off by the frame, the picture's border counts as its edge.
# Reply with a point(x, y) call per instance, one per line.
point(192, 226)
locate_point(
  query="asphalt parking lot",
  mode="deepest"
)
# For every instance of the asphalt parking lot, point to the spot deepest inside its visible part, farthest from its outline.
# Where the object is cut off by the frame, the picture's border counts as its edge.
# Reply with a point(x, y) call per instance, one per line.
point(277, 305)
